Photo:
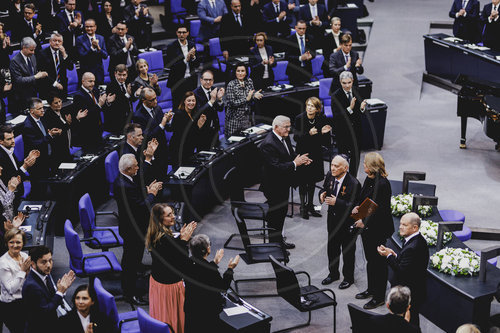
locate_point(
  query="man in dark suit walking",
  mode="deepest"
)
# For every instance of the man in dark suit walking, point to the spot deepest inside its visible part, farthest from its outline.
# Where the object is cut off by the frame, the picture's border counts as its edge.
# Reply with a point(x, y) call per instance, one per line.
point(91, 49)
point(235, 32)
point(466, 15)
point(70, 26)
point(182, 60)
point(344, 60)
point(55, 61)
point(122, 50)
point(491, 20)
point(42, 295)
point(133, 208)
point(340, 192)
point(209, 102)
point(299, 53)
point(280, 164)
point(347, 108)
point(410, 265)
point(316, 18)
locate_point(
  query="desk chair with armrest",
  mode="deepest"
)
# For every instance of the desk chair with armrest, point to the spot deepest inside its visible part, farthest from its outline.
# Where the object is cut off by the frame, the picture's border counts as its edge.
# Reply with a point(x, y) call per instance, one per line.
point(148, 324)
point(359, 318)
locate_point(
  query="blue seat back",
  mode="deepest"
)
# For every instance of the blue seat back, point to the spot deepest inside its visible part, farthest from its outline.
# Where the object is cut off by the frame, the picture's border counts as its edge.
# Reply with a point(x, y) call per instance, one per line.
point(106, 301)
point(279, 70)
point(19, 147)
point(324, 90)
point(176, 7)
point(165, 99)
point(87, 215)
point(154, 59)
point(317, 62)
point(222, 120)
point(111, 169)
point(194, 28)
point(72, 81)
point(105, 64)
point(214, 47)
point(74, 247)
point(148, 324)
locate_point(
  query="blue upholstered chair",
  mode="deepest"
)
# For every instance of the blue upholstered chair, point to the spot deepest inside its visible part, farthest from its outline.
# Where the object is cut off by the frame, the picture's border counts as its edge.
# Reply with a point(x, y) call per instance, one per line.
point(72, 81)
point(154, 59)
point(324, 96)
point(178, 12)
point(19, 154)
point(105, 64)
point(317, 62)
point(99, 237)
point(279, 70)
point(148, 324)
point(165, 98)
point(111, 169)
point(454, 215)
point(215, 52)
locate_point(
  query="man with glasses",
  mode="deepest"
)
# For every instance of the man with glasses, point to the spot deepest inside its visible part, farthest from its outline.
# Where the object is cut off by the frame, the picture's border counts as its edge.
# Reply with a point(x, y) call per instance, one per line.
point(28, 26)
point(122, 50)
point(280, 164)
point(182, 61)
point(209, 102)
point(91, 49)
point(70, 26)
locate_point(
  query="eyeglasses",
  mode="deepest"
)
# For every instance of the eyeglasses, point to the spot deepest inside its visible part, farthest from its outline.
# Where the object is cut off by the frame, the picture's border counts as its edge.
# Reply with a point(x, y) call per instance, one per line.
point(182, 32)
point(152, 99)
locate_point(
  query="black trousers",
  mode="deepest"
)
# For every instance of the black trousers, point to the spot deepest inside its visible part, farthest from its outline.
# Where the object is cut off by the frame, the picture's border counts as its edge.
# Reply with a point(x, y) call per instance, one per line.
point(278, 207)
point(340, 240)
point(376, 267)
point(133, 250)
point(13, 316)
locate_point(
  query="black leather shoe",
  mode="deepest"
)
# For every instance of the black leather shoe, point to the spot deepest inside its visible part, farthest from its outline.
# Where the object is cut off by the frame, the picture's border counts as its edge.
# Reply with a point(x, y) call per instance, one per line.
point(344, 284)
point(136, 300)
point(313, 212)
point(303, 214)
point(364, 295)
point(373, 304)
point(288, 246)
point(328, 280)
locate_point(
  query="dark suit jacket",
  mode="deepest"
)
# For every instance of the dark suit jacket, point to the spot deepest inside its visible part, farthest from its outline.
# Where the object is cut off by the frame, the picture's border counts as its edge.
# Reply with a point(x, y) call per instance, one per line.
point(269, 17)
point(186, 136)
point(118, 113)
point(347, 196)
point(175, 61)
point(391, 323)
point(343, 121)
point(41, 306)
point(103, 27)
point(9, 171)
point(60, 143)
point(71, 322)
point(116, 53)
point(133, 207)
point(491, 30)
point(24, 84)
point(410, 268)
point(317, 32)
point(46, 63)
point(63, 28)
point(140, 28)
point(235, 38)
point(91, 61)
point(336, 66)
point(87, 131)
point(257, 68)
point(278, 170)
point(465, 27)
point(329, 44)
point(209, 136)
point(34, 139)
point(296, 73)
point(22, 29)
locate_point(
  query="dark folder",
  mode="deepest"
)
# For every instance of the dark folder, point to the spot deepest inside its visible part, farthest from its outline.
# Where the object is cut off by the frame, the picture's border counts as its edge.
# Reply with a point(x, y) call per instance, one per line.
point(367, 208)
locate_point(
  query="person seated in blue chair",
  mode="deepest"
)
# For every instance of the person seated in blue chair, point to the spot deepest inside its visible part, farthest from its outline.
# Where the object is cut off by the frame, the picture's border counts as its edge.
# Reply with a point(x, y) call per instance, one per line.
point(85, 316)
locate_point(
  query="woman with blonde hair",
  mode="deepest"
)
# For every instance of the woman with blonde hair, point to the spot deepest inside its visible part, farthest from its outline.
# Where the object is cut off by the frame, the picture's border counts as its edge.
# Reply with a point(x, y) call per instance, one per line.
point(376, 228)
point(311, 132)
point(170, 259)
point(144, 79)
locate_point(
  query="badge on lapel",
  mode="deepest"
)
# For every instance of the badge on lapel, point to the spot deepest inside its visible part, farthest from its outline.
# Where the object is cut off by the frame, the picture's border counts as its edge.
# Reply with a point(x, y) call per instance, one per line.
point(343, 190)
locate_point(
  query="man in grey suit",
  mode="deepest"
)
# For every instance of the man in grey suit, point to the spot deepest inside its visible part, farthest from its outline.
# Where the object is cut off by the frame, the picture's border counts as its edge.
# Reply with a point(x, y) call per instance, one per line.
point(210, 13)
point(25, 76)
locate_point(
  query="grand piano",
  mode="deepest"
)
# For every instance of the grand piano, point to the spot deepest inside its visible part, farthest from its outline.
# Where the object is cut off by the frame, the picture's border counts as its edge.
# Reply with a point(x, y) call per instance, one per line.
point(479, 99)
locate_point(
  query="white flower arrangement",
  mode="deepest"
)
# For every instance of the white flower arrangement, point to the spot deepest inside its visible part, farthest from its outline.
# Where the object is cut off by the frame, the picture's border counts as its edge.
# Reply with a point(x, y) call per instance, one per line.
point(403, 203)
point(429, 230)
point(456, 261)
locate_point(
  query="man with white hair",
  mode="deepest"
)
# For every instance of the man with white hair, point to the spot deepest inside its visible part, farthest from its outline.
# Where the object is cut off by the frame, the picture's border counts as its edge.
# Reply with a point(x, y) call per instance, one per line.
point(25, 76)
point(133, 209)
point(340, 192)
point(280, 164)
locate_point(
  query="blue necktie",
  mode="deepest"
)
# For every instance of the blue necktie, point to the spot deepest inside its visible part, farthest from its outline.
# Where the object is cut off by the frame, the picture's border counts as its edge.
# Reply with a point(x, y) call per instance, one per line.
point(30, 66)
point(302, 49)
point(39, 122)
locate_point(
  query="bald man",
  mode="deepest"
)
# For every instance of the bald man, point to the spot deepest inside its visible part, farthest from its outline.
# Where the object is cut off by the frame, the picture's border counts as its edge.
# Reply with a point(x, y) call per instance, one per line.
point(340, 192)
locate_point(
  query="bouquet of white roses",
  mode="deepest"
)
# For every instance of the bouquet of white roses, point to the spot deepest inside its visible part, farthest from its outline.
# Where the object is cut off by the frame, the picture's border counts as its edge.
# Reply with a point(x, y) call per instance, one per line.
point(456, 261)
point(429, 230)
point(403, 203)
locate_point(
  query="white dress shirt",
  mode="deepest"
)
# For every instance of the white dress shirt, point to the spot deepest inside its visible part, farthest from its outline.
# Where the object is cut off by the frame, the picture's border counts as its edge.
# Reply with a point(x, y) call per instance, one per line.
point(314, 10)
point(10, 153)
point(340, 181)
point(263, 55)
point(84, 320)
point(185, 52)
point(11, 278)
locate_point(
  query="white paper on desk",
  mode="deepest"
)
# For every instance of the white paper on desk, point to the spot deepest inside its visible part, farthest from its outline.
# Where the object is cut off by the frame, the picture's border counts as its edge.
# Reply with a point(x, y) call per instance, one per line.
point(235, 138)
point(25, 228)
point(313, 84)
point(265, 127)
point(374, 101)
point(67, 166)
point(185, 171)
point(351, 5)
point(253, 130)
point(498, 57)
point(18, 120)
point(452, 39)
point(242, 59)
point(235, 310)
point(32, 207)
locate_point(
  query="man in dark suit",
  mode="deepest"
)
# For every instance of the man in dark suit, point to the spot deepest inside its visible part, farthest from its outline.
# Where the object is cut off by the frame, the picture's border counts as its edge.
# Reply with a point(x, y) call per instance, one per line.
point(280, 164)
point(55, 61)
point(89, 8)
point(235, 32)
point(344, 60)
point(86, 115)
point(347, 107)
point(397, 321)
point(182, 60)
point(47, 10)
point(277, 18)
point(11, 166)
point(119, 111)
point(140, 22)
point(154, 123)
point(122, 50)
point(340, 192)
point(28, 26)
point(410, 265)
point(490, 19)
point(210, 13)
point(91, 49)
point(70, 25)
point(316, 18)
point(466, 15)
point(299, 53)
point(133, 208)
point(42, 295)
point(209, 102)
point(133, 141)
point(25, 76)
point(56, 119)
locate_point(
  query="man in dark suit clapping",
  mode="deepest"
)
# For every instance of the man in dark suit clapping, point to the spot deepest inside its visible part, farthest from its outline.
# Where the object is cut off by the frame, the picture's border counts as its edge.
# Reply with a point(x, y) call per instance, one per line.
point(280, 164)
point(139, 21)
point(344, 60)
point(299, 53)
point(340, 192)
point(122, 50)
point(316, 18)
point(91, 49)
point(235, 32)
point(28, 26)
point(70, 26)
point(410, 265)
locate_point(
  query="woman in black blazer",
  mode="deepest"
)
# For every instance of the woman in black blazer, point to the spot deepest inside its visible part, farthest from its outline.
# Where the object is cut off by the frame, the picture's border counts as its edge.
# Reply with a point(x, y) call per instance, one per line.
point(85, 304)
point(376, 228)
point(261, 62)
point(204, 285)
point(107, 20)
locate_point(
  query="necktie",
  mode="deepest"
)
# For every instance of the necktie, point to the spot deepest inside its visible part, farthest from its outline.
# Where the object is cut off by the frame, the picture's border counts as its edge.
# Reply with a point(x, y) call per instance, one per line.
point(349, 96)
point(72, 17)
point(277, 8)
point(30, 66)
point(93, 97)
point(326, 5)
point(347, 59)
point(238, 19)
point(42, 128)
point(208, 94)
point(212, 3)
point(50, 285)
point(313, 12)
point(403, 243)
point(58, 65)
point(335, 187)
point(31, 26)
point(286, 146)
point(463, 3)
point(90, 6)
point(302, 45)
point(122, 86)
